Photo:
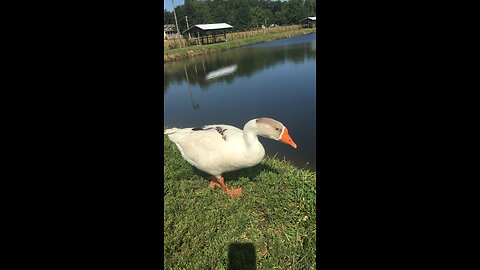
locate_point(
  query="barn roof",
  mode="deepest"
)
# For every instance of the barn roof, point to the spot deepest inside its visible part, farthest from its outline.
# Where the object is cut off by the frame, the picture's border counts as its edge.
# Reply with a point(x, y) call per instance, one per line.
point(309, 18)
point(210, 26)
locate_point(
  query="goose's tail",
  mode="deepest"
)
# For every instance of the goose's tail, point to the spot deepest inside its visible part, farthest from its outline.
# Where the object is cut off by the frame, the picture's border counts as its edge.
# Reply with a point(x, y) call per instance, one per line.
point(177, 134)
point(170, 131)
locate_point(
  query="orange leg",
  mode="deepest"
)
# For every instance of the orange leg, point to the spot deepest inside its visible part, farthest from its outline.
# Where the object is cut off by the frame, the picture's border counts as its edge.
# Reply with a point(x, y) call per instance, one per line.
point(213, 182)
point(230, 192)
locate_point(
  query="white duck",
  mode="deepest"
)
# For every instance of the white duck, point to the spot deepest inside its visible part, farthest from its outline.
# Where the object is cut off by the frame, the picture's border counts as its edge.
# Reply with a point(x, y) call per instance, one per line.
point(216, 149)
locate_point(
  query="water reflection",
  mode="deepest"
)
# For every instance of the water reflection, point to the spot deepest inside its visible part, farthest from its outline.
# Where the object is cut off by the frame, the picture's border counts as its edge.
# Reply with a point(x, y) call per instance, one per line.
point(241, 62)
point(221, 72)
point(194, 105)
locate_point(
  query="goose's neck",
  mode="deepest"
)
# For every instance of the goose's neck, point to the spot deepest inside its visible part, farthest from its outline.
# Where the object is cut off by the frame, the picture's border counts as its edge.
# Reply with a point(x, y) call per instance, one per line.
point(250, 135)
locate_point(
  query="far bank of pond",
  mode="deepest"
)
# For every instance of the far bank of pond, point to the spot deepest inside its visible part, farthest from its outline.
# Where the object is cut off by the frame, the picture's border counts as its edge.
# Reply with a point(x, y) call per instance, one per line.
point(180, 53)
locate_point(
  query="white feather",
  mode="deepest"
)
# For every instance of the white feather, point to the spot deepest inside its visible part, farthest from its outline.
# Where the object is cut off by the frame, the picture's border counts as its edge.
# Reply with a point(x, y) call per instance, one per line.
point(209, 151)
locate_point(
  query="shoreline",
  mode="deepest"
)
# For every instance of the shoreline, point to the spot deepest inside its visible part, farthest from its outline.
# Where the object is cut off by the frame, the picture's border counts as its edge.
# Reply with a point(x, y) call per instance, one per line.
point(182, 53)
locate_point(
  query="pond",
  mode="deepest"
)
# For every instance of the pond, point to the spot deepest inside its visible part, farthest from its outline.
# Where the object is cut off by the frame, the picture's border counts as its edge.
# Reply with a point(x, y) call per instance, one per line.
point(274, 79)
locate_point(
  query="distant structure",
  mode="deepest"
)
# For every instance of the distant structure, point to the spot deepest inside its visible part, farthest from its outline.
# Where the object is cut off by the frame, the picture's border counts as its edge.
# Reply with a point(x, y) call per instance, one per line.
point(309, 22)
point(207, 33)
point(169, 31)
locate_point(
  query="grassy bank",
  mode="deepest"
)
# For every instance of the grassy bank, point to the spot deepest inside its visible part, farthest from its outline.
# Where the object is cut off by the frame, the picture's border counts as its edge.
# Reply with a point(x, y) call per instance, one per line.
point(272, 226)
point(174, 54)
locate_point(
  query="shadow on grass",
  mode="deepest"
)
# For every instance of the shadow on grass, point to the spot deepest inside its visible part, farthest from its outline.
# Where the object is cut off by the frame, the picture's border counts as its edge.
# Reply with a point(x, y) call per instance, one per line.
point(242, 256)
point(250, 173)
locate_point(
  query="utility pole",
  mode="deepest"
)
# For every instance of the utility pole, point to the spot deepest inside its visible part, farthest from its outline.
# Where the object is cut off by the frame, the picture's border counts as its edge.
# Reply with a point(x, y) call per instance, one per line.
point(186, 19)
point(174, 14)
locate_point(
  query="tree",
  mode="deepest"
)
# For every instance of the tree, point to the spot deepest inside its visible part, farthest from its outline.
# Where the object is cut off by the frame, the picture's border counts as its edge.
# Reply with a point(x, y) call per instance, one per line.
point(202, 12)
point(257, 15)
point(294, 11)
point(168, 17)
point(242, 14)
point(310, 7)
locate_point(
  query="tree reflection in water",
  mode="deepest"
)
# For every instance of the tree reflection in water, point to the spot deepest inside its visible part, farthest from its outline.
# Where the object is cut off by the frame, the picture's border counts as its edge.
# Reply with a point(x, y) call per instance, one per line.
point(247, 61)
point(194, 105)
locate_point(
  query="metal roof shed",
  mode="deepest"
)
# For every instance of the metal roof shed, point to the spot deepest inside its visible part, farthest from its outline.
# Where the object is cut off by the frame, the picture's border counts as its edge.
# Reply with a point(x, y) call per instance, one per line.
point(213, 28)
point(309, 21)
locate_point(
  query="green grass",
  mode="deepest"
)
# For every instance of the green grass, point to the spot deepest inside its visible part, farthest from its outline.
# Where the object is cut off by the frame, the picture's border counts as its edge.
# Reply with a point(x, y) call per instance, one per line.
point(272, 226)
point(175, 54)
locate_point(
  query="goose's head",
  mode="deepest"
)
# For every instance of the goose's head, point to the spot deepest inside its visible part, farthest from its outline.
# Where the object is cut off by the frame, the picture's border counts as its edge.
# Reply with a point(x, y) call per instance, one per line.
point(272, 129)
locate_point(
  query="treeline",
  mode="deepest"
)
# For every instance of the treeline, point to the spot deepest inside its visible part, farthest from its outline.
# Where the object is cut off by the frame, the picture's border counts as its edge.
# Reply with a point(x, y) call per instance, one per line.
point(241, 14)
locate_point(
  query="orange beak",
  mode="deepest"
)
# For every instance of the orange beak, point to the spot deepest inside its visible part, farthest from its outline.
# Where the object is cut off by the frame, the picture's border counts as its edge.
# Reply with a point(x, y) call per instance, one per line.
point(287, 139)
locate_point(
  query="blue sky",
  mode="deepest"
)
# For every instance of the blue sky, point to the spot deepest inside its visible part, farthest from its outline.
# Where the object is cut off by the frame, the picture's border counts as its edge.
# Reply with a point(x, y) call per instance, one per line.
point(167, 4)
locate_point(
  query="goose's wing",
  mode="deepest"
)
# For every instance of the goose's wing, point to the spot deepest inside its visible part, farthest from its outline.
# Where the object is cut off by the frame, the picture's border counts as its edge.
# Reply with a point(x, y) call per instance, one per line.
point(205, 134)
point(205, 139)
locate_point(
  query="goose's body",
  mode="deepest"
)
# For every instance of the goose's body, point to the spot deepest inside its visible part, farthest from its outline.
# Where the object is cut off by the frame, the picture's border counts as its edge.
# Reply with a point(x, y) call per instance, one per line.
point(216, 149)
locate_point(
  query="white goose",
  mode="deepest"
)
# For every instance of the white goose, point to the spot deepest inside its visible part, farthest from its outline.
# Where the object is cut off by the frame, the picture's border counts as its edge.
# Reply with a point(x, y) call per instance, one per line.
point(216, 149)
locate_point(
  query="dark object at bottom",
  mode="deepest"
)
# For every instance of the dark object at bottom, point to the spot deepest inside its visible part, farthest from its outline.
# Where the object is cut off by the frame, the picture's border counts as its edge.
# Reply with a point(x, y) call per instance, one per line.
point(242, 256)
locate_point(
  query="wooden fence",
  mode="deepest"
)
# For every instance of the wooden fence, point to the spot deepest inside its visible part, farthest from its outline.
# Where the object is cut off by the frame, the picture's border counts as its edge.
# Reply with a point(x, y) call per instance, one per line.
point(182, 43)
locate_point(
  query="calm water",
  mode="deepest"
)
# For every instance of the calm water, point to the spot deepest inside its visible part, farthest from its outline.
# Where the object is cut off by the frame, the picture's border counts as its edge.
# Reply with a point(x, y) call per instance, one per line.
point(274, 79)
